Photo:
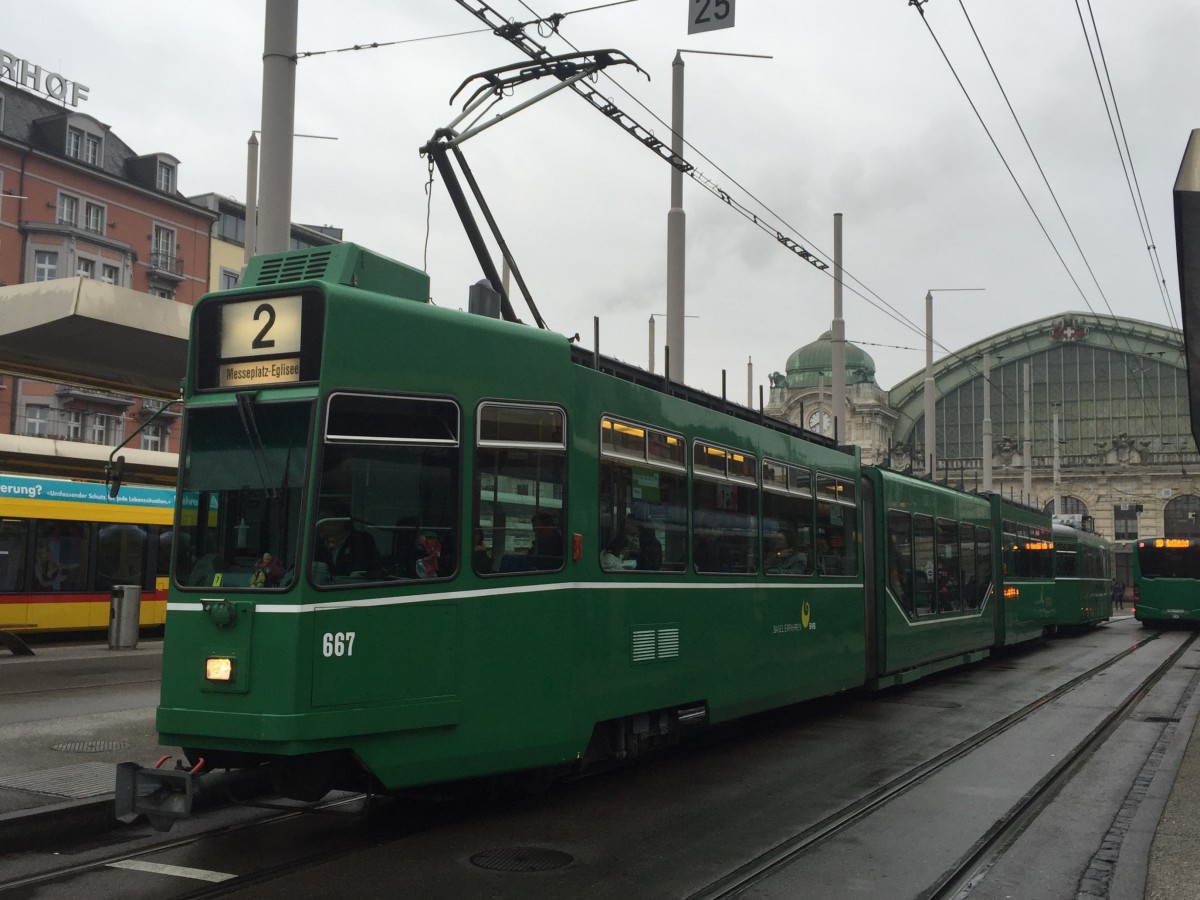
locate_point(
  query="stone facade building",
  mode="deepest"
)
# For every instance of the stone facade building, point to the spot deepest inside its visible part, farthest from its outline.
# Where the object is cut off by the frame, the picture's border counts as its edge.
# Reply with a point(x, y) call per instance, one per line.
point(1107, 408)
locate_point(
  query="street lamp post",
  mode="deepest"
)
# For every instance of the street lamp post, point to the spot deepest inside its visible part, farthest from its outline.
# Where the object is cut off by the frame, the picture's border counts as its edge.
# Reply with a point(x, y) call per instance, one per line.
point(252, 194)
point(676, 219)
point(650, 368)
point(838, 339)
point(930, 434)
point(278, 117)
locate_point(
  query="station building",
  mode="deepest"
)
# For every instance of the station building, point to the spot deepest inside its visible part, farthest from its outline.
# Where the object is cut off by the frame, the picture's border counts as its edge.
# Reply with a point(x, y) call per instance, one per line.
point(1118, 387)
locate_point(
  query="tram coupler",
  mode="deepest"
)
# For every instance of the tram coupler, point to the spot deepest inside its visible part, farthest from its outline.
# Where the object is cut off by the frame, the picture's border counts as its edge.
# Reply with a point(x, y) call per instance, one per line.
point(165, 795)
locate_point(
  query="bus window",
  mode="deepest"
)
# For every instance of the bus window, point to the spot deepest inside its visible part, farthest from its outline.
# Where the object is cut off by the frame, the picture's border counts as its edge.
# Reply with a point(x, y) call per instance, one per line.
point(60, 559)
point(1165, 561)
point(14, 538)
point(120, 555)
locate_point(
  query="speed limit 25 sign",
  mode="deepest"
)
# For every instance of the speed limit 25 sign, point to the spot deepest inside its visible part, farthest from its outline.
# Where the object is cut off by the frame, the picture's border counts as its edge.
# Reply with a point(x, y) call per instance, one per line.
point(709, 15)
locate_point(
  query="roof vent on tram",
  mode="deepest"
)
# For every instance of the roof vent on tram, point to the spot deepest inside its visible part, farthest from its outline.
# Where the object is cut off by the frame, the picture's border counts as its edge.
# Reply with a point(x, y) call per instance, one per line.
point(347, 264)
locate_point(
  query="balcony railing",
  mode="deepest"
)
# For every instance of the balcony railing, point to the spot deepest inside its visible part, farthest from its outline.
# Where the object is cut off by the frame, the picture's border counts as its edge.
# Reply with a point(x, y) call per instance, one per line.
point(34, 420)
point(166, 263)
point(73, 392)
point(151, 407)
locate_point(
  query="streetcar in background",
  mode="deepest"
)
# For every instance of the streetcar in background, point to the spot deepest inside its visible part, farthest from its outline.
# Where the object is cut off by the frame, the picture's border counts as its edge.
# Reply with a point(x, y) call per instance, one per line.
point(64, 546)
point(1083, 573)
point(1166, 579)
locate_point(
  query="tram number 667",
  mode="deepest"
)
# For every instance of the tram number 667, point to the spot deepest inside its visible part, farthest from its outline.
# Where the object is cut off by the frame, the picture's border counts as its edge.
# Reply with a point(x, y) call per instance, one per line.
point(337, 643)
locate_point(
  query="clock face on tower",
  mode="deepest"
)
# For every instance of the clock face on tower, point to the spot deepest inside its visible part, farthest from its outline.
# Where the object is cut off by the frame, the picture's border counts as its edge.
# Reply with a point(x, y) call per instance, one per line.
point(820, 421)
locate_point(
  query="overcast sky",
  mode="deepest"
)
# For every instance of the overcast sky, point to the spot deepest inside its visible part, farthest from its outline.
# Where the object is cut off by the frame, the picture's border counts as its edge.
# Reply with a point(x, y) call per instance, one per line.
point(856, 113)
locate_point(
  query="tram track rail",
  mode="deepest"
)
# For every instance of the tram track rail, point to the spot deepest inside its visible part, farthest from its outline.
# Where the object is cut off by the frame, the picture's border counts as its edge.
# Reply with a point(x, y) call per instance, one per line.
point(954, 883)
point(958, 882)
point(1006, 830)
point(164, 846)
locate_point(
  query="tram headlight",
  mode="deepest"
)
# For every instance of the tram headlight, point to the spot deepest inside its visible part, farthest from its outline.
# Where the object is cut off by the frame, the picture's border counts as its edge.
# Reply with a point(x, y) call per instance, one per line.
point(218, 668)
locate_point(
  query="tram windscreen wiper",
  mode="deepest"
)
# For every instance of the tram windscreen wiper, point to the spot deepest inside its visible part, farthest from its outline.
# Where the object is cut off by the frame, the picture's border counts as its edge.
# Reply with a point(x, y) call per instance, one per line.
point(245, 406)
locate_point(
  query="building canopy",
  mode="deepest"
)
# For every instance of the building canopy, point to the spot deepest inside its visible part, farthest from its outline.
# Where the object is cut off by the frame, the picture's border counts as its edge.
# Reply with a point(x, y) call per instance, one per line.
point(82, 331)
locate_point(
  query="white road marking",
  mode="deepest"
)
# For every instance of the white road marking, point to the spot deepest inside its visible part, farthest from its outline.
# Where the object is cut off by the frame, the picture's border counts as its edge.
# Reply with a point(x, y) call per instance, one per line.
point(178, 871)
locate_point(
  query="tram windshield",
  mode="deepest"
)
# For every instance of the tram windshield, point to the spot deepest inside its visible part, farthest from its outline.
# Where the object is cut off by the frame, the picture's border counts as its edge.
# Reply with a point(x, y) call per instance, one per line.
point(242, 477)
point(1169, 558)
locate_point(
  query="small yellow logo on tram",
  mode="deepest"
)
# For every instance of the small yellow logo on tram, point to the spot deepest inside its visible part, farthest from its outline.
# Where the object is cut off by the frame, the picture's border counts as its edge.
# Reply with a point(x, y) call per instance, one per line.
point(805, 612)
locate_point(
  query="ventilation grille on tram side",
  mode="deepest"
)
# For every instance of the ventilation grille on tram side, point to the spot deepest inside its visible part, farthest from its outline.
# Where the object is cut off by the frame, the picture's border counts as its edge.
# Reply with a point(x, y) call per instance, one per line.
point(652, 643)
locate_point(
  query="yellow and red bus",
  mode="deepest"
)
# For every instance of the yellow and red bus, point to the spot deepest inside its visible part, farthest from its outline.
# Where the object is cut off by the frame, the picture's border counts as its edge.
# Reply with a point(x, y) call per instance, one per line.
point(64, 545)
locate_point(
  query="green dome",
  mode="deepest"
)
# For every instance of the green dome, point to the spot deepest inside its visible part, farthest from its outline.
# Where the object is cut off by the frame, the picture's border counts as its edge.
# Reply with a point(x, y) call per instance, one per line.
point(813, 363)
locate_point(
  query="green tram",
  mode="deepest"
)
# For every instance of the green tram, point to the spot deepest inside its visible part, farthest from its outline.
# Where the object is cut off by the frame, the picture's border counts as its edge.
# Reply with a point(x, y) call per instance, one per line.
point(1083, 567)
point(1166, 579)
point(447, 545)
point(933, 605)
point(1025, 571)
point(426, 545)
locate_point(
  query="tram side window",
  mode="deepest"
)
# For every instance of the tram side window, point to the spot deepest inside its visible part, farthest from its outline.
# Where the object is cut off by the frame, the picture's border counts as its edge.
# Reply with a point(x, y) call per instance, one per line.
point(949, 573)
point(1010, 549)
point(120, 555)
point(966, 547)
point(900, 558)
point(1065, 563)
point(924, 564)
point(724, 511)
point(387, 502)
point(983, 564)
point(1025, 564)
point(520, 488)
point(1039, 553)
point(788, 511)
point(14, 539)
point(643, 499)
point(60, 556)
point(837, 526)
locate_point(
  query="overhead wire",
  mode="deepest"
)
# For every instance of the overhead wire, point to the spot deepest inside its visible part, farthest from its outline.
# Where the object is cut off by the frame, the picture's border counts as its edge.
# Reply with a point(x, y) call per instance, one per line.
point(918, 4)
point(883, 306)
point(890, 311)
point(1050, 188)
point(1128, 168)
point(886, 308)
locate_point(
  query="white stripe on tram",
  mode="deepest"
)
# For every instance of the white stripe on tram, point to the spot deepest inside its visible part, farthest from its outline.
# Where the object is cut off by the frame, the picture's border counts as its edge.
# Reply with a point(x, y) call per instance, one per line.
point(334, 603)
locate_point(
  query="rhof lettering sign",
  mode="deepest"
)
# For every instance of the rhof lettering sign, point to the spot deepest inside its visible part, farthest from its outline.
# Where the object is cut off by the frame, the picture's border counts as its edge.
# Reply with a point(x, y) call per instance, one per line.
point(23, 73)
